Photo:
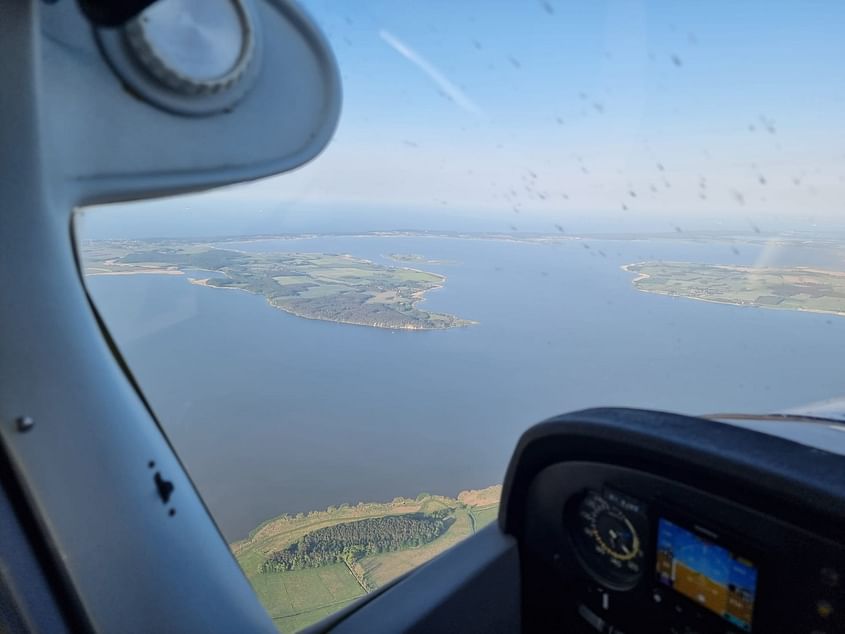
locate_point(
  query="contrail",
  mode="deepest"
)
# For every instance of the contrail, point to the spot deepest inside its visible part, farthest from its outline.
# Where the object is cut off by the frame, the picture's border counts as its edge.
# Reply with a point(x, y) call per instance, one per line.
point(448, 88)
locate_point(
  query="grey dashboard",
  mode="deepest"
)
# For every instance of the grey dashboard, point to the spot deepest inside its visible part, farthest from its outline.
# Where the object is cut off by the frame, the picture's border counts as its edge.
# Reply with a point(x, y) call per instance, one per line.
point(634, 521)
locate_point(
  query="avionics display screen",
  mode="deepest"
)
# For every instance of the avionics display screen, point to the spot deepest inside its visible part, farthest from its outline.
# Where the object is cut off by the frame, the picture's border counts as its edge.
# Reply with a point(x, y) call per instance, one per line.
point(710, 575)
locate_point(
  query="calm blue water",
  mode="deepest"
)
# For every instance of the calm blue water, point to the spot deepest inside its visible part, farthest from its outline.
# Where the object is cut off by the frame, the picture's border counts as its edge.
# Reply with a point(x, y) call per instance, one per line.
point(272, 413)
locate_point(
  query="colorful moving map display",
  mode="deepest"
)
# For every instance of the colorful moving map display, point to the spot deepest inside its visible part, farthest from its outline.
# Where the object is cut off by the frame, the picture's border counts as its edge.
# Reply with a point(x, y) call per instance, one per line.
point(708, 574)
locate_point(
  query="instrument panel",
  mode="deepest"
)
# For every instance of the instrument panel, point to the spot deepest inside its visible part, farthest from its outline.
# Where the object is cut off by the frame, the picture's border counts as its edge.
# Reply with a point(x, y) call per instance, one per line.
point(650, 522)
point(633, 552)
point(610, 538)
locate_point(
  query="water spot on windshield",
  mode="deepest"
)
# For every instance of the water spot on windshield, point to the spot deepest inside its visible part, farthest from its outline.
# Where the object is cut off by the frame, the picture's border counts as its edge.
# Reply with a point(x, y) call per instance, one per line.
point(768, 124)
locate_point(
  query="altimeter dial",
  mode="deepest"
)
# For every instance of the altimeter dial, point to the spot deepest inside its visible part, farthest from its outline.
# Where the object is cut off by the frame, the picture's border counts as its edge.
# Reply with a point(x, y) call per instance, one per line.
point(609, 539)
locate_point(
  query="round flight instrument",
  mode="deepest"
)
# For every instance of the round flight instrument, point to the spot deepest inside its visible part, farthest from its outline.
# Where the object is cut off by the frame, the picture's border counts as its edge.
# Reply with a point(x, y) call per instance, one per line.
point(609, 541)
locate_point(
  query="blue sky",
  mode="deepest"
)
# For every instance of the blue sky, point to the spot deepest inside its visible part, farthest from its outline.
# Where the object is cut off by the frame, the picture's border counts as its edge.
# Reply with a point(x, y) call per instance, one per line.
point(525, 65)
point(674, 108)
point(685, 112)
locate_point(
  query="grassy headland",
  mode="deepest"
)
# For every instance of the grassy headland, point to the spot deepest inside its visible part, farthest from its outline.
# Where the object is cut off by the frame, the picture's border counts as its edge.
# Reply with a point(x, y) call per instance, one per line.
point(319, 585)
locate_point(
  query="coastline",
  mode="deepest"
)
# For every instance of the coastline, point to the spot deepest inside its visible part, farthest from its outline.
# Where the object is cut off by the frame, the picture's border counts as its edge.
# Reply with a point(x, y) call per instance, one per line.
point(461, 323)
point(643, 276)
point(749, 305)
point(422, 321)
point(640, 276)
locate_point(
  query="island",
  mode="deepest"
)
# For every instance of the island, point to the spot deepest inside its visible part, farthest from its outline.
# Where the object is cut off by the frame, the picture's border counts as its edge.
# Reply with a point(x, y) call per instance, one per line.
point(787, 288)
point(416, 259)
point(306, 566)
point(323, 286)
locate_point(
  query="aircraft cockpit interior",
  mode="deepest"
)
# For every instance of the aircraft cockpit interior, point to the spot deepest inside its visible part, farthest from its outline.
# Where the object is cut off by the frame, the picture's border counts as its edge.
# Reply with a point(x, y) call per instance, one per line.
point(449, 223)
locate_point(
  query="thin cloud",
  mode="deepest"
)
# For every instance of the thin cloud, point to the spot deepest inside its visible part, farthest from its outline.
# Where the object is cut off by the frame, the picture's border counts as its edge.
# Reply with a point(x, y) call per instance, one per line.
point(448, 88)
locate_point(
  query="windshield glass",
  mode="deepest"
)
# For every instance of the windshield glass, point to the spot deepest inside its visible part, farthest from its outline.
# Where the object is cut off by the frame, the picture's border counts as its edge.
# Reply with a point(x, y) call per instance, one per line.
point(528, 208)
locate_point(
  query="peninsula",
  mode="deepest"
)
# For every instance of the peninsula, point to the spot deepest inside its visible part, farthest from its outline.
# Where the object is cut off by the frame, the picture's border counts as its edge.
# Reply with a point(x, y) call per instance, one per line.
point(788, 288)
point(323, 286)
point(306, 566)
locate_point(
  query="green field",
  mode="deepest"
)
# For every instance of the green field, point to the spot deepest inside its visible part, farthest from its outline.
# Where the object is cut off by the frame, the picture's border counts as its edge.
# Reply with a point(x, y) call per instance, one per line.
point(298, 598)
point(797, 288)
point(484, 515)
point(322, 286)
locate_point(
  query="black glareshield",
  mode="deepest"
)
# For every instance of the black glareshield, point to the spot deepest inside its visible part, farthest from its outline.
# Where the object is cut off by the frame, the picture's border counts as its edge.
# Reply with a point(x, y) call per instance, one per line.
point(112, 14)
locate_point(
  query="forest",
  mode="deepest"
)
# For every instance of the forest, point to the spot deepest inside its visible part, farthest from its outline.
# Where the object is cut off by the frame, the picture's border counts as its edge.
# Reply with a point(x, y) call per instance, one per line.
point(352, 540)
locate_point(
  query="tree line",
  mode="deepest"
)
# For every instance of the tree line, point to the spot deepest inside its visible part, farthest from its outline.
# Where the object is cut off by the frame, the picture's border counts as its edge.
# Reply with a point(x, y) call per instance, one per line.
point(350, 541)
